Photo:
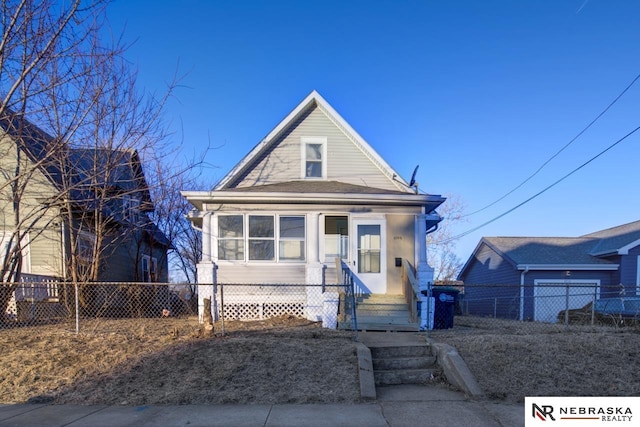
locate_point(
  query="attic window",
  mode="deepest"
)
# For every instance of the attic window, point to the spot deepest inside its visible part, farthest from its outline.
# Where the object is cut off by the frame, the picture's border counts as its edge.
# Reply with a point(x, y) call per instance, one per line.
point(314, 157)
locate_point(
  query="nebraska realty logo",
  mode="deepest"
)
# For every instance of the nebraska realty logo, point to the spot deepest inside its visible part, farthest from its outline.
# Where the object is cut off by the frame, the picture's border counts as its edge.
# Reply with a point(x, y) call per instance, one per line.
point(582, 411)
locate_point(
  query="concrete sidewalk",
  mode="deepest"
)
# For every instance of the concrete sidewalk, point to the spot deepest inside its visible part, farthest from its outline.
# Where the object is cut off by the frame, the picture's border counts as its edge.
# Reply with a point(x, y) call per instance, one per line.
point(396, 406)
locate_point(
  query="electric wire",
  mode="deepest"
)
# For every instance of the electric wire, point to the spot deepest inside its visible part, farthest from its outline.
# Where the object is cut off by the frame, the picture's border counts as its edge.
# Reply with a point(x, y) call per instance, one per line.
point(543, 190)
point(559, 151)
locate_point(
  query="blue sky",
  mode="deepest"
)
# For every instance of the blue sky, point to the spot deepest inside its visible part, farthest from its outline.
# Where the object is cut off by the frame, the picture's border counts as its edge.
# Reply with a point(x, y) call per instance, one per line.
point(478, 93)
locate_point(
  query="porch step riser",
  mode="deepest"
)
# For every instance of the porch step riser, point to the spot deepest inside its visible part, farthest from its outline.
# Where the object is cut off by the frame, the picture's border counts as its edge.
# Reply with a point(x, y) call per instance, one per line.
point(410, 376)
point(382, 314)
point(407, 363)
point(389, 352)
point(380, 327)
point(384, 320)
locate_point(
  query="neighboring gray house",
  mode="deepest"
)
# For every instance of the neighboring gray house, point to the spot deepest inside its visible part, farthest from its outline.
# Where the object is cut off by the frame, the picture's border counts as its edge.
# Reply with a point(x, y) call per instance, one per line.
point(311, 191)
point(539, 271)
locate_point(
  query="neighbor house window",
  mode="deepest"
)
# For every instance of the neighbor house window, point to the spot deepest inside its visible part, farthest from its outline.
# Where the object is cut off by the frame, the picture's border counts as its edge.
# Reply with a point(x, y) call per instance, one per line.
point(149, 269)
point(130, 208)
point(261, 238)
point(231, 237)
point(84, 246)
point(314, 153)
point(292, 235)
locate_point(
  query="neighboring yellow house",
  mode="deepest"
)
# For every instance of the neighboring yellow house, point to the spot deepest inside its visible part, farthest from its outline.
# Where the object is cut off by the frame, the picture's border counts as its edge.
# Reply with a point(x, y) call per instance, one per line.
point(311, 191)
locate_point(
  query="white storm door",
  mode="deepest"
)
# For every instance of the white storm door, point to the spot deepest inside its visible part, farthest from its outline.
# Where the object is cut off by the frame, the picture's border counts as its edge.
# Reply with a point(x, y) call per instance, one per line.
point(369, 254)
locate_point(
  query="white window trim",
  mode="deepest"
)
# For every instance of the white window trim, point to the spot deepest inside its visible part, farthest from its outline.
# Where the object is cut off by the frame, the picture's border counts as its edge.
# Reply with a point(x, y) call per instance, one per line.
point(276, 239)
point(130, 208)
point(26, 250)
point(303, 155)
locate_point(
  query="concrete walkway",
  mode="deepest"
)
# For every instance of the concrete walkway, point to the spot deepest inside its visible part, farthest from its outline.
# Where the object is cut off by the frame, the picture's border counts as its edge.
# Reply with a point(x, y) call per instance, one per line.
point(396, 406)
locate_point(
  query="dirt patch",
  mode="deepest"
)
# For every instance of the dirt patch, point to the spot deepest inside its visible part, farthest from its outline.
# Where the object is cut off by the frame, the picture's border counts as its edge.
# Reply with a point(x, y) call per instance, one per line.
point(165, 361)
point(512, 360)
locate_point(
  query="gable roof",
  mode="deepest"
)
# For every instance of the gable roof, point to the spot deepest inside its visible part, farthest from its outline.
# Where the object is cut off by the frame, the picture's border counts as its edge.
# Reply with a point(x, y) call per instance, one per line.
point(82, 168)
point(616, 240)
point(585, 252)
point(313, 100)
point(546, 251)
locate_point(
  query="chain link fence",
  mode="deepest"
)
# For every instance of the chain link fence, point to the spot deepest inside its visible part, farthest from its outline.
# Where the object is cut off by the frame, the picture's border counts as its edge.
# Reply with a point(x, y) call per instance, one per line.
point(550, 304)
point(44, 302)
point(71, 305)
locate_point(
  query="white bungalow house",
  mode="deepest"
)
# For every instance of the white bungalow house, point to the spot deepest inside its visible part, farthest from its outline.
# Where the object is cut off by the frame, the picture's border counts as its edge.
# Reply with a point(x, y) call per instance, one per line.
point(311, 191)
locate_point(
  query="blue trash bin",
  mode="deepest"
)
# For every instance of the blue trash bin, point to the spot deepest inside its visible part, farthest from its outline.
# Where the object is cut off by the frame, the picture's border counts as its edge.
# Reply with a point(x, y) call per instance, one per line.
point(445, 303)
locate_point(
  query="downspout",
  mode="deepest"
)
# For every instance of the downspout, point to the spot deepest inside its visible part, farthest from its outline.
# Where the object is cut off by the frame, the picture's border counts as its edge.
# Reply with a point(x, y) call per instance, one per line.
point(525, 271)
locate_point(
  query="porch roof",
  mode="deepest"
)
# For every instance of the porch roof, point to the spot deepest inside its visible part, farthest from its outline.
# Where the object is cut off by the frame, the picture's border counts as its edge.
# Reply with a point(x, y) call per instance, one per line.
point(313, 192)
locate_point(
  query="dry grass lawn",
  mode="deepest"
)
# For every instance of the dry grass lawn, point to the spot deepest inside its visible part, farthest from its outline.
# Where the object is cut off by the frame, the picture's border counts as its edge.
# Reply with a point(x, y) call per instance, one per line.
point(288, 360)
point(165, 361)
point(512, 360)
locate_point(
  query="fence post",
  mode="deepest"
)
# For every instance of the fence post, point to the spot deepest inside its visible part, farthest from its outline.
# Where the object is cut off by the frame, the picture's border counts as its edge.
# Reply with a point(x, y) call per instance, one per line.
point(77, 300)
point(566, 305)
point(593, 305)
point(222, 306)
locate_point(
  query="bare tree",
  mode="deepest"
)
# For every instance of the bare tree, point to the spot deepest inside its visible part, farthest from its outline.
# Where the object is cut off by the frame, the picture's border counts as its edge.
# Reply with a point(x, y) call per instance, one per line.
point(87, 180)
point(37, 37)
point(441, 244)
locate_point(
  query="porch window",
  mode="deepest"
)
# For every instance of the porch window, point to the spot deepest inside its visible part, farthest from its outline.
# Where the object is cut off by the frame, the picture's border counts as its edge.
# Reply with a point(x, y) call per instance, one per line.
point(231, 237)
point(336, 238)
point(292, 238)
point(261, 238)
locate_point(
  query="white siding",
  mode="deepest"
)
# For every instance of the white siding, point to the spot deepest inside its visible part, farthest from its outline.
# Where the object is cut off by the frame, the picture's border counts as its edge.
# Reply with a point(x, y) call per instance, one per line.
point(257, 273)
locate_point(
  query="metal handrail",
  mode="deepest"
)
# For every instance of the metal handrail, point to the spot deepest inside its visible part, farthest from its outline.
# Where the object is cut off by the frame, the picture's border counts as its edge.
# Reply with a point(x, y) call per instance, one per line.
point(349, 284)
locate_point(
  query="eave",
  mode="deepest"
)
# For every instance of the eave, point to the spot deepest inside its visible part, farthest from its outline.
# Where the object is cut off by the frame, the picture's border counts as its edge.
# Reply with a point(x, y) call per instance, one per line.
point(198, 198)
point(563, 267)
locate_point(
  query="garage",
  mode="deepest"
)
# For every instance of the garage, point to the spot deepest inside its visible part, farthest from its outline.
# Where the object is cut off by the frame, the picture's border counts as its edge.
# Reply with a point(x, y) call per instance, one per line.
point(553, 296)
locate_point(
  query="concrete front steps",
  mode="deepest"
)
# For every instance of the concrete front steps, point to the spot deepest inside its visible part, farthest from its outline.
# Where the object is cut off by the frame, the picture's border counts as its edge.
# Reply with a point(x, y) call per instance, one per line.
point(400, 358)
point(389, 313)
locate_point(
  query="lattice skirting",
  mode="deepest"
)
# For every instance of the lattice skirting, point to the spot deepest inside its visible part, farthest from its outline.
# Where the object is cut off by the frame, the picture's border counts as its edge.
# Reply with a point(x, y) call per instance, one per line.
point(259, 311)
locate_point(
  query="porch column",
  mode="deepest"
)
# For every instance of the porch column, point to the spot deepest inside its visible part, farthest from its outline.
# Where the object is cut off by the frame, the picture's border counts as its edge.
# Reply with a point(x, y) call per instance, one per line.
point(313, 269)
point(425, 274)
point(206, 270)
point(206, 237)
point(424, 270)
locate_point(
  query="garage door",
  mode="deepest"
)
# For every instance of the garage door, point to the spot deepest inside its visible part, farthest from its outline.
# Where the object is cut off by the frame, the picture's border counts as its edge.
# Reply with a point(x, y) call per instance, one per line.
point(552, 297)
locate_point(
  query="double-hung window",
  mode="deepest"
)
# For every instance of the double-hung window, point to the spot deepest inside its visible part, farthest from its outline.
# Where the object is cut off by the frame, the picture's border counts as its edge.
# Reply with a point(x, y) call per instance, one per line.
point(231, 237)
point(292, 238)
point(261, 238)
point(149, 269)
point(314, 157)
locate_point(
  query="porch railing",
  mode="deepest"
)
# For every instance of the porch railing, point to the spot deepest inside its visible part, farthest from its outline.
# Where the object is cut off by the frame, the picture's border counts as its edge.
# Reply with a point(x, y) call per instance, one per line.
point(410, 289)
point(36, 287)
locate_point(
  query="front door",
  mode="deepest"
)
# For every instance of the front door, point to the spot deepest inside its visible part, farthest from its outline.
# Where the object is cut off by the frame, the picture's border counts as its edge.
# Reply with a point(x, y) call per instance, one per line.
point(369, 254)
